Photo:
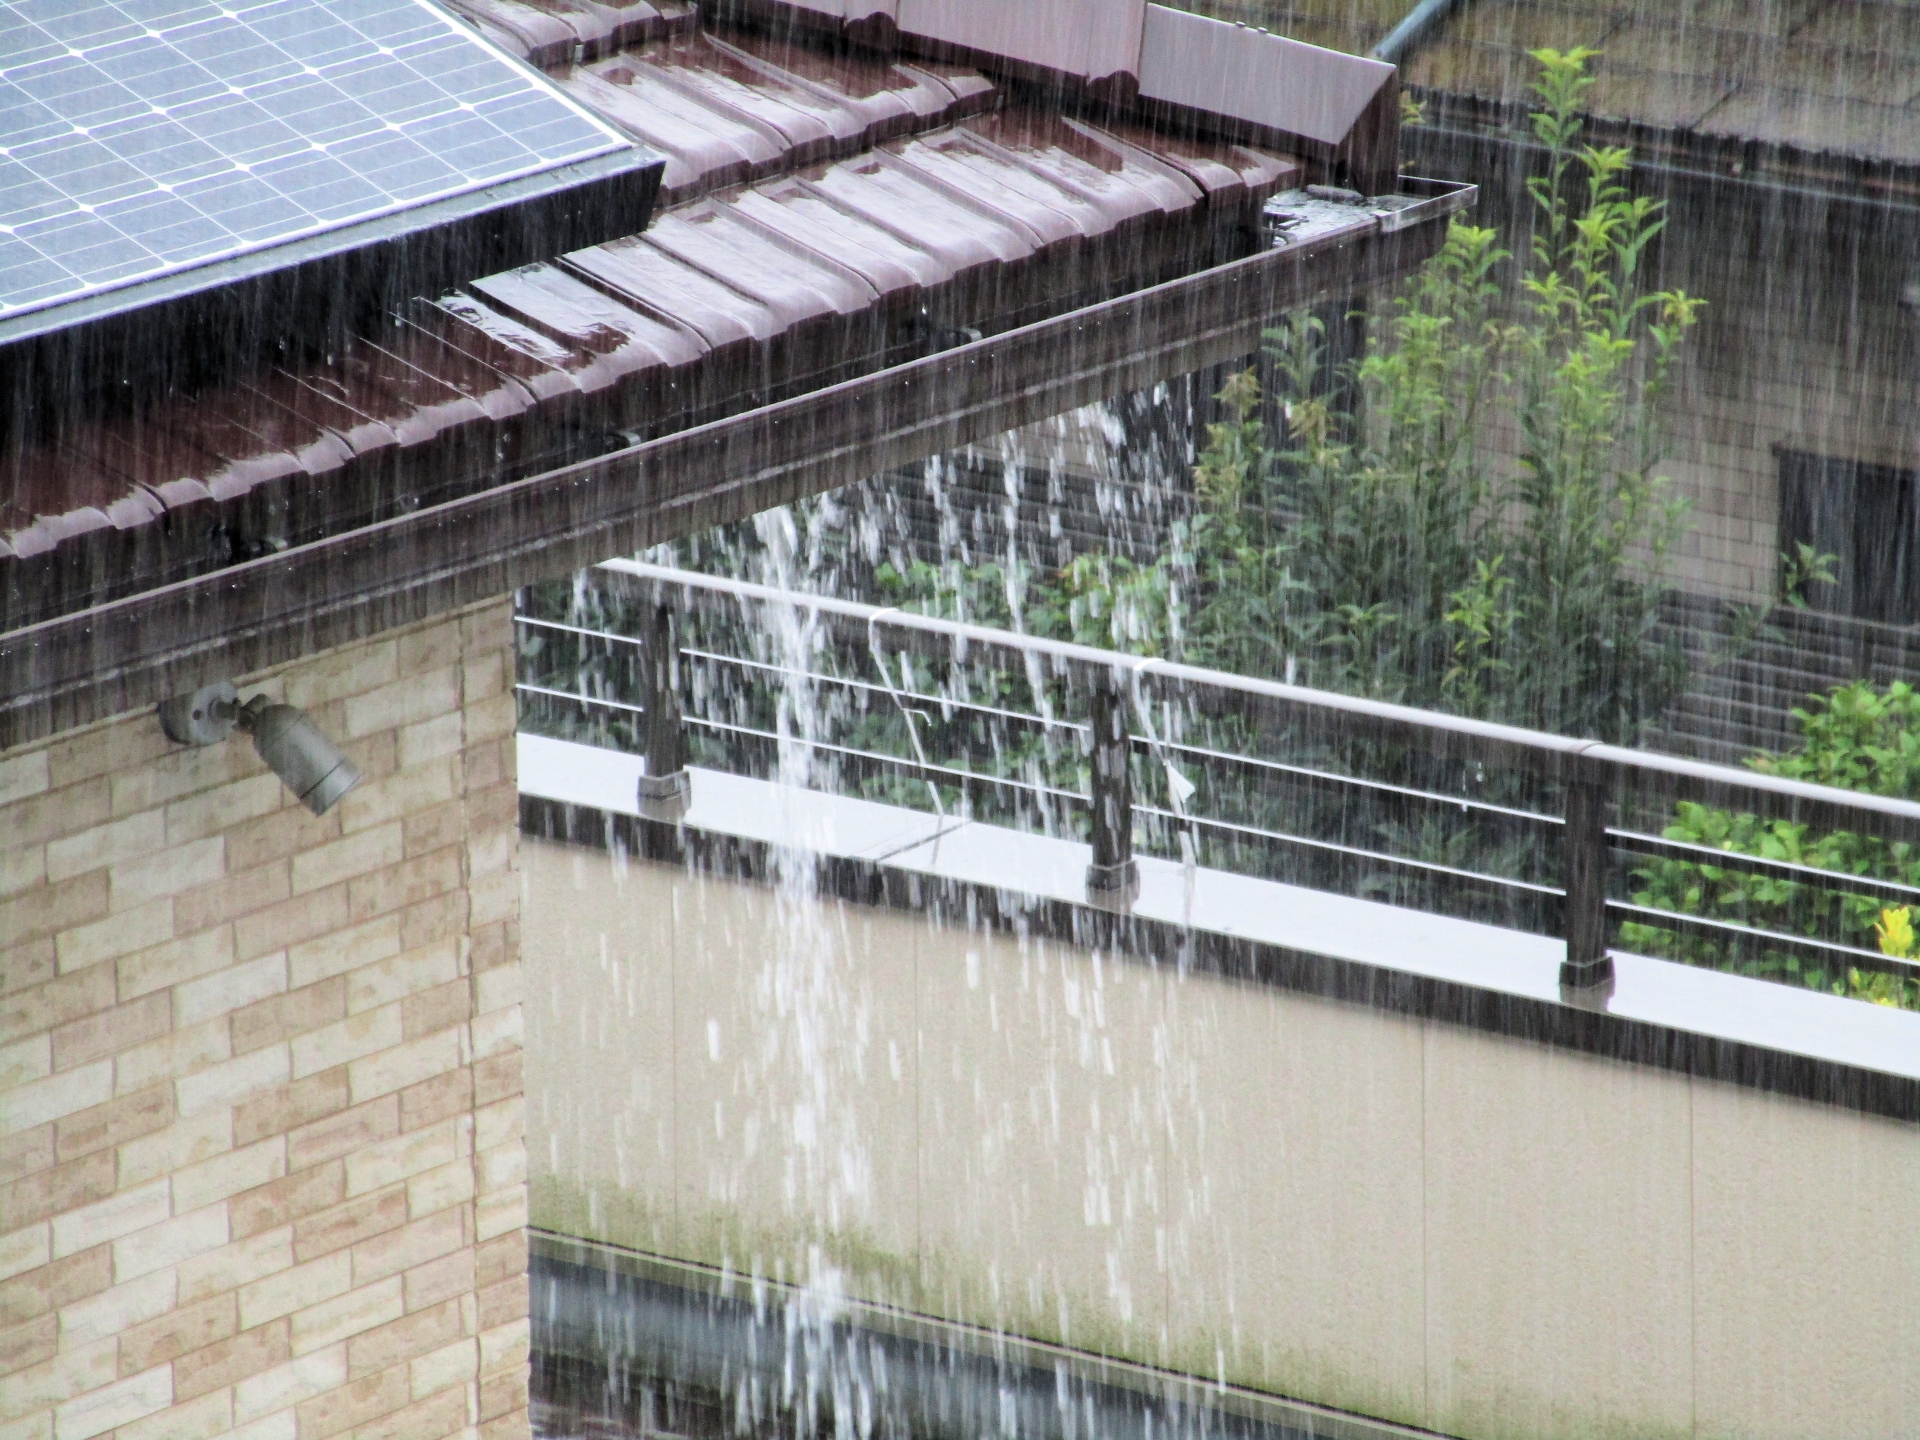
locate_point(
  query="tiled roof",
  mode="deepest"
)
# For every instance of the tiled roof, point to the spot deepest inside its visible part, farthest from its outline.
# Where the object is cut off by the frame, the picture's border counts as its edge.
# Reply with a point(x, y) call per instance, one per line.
point(884, 211)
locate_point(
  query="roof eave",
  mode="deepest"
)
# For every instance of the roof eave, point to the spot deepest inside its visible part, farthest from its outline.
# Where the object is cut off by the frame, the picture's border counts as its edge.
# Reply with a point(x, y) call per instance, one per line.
point(134, 651)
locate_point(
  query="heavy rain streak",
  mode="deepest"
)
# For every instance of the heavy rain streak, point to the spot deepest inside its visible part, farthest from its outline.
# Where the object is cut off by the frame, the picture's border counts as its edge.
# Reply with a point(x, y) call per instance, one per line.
point(1213, 712)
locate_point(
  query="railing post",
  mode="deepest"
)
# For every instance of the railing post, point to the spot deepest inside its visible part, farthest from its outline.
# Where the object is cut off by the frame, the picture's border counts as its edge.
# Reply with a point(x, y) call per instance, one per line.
point(666, 789)
point(1113, 879)
point(1588, 967)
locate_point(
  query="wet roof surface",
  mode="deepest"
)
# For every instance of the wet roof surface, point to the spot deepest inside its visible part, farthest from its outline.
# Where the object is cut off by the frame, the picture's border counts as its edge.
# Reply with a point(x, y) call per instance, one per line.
point(827, 214)
point(145, 137)
point(1834, 76)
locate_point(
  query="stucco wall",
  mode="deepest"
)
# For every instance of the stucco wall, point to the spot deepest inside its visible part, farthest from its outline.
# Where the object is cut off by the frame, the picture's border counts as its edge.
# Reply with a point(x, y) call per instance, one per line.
point(1471, 1233)
point(261, 1167)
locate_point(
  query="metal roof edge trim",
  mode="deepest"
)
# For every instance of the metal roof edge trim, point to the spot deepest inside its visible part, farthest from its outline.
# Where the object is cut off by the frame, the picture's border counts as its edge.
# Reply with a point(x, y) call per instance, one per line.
point(1090, 39)
point(71, 670)
point(1301, 89)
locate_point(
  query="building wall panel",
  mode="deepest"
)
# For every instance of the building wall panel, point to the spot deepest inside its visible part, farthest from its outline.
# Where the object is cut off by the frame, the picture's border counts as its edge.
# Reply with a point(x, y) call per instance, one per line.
point(1467, 1232)
point(260, 1150)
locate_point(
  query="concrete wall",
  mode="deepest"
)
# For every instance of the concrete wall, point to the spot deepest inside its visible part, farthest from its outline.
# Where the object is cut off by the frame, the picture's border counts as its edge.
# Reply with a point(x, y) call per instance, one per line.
point(261, 1167)
point(1475, 1234)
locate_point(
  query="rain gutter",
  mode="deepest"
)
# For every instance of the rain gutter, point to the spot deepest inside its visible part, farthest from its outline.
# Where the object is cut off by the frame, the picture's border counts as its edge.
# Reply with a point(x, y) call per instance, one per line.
point(1413, 31)
point(77, 668)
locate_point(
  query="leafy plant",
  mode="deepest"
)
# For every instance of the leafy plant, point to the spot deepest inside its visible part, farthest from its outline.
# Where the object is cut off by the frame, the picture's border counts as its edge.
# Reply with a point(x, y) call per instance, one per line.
point(1481, 610)
point(1391, 551)
point(1805, 566)
point(1111, 602)
point(978, 594)
point(1895, 933)
point(1855, 738)
point(1896, 937)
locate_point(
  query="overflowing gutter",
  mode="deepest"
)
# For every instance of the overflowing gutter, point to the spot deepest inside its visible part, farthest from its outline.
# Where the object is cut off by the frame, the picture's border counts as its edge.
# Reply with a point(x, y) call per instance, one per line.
point(137, 650)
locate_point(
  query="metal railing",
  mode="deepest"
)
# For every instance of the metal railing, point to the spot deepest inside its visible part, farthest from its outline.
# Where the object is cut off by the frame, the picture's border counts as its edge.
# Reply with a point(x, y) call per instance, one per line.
point(1596, 789)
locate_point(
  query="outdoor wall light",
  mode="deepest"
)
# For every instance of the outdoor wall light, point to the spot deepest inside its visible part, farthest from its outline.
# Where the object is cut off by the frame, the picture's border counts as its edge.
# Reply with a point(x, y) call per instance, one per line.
point(307, 762)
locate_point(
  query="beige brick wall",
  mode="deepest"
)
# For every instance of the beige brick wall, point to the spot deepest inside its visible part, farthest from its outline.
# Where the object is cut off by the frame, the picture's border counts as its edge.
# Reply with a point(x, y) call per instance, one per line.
point(261, 1166)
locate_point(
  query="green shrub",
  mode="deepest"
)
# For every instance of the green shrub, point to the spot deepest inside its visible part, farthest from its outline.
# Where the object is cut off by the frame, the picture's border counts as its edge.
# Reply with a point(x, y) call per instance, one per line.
point(1855, 738)
point(1391, 551)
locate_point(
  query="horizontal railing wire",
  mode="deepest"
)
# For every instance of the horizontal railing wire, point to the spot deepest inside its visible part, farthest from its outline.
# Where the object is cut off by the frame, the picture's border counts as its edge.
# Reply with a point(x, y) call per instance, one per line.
point(1486, 738)
point(1076, 797)
point(1770, 939)
point(877, 756)
point(948, 702)
point(1811, 875)
point(1556, 759)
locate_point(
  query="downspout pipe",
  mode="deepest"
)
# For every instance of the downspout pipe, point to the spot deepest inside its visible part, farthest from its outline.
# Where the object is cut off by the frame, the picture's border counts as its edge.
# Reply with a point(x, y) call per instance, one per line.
point(1412, 32)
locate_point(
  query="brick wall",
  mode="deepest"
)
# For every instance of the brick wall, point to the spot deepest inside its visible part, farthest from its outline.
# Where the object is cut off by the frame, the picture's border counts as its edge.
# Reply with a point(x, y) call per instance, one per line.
point(261, 1166)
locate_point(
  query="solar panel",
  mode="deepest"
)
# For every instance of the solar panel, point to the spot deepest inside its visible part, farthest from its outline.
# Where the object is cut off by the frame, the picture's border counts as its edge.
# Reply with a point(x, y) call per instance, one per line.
point(144, 138)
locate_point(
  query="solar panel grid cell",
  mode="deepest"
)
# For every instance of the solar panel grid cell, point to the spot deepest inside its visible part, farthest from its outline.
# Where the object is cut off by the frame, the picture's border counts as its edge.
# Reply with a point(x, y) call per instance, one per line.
point(143, 137)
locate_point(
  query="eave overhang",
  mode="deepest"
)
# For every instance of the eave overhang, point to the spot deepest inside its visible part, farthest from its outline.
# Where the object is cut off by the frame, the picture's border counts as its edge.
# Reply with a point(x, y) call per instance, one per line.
point(105, 660)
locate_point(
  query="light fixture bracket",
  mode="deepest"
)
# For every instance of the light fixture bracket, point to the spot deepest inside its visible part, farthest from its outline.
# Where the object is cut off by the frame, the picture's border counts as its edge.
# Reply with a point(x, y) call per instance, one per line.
point(201, 717)
point(318, 771)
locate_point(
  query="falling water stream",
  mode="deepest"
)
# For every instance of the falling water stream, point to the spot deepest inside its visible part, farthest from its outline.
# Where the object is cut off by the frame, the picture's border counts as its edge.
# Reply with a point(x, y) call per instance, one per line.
point(1009, 1079)
point(797, 1048)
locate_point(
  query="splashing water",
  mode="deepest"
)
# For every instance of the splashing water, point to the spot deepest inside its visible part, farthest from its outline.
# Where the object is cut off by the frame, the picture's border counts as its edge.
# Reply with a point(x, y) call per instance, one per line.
point(812, 1024)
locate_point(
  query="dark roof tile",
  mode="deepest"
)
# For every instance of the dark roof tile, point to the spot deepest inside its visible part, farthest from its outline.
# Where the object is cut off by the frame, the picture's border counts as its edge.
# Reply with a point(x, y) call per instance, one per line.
point(821, 269)
point(567, 309)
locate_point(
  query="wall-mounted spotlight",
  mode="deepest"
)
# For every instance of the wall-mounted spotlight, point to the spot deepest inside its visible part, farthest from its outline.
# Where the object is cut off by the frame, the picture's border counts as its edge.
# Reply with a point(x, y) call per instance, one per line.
point(307, 762)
